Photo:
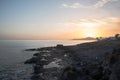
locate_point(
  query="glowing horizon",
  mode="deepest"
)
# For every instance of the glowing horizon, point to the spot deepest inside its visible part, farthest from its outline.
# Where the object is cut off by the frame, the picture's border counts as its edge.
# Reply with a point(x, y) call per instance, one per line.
point(39, 19)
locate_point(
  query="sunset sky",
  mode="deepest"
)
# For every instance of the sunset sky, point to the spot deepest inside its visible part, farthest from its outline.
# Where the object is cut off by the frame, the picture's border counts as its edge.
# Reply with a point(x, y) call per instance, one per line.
point(58, 19)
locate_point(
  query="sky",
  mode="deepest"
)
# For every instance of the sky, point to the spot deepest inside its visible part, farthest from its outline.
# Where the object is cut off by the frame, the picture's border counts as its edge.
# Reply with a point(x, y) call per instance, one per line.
point(58, 19)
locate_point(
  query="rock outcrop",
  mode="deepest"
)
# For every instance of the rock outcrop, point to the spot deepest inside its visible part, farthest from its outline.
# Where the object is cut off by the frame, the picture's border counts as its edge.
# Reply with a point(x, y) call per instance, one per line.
point(89, 61)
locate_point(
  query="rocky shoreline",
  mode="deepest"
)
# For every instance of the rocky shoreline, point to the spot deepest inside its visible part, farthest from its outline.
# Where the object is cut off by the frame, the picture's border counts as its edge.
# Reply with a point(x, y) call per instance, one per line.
point(98, 60)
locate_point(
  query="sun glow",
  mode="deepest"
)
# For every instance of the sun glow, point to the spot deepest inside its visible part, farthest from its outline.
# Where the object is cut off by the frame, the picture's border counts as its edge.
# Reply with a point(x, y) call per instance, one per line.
point(90, 32)
point(90, 35)
point(89, 24)
point(89, 29)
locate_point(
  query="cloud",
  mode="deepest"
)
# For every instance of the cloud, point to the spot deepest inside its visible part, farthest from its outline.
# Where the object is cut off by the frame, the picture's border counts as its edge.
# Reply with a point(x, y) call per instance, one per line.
point(98, 4)
point(106, 26)
point(108, 23)
point(74, 5)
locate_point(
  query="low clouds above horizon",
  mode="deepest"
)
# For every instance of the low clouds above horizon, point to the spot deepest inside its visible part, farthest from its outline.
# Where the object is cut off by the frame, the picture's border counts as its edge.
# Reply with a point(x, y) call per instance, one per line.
point(96, 27)
point(108, 22)
point(98, 4)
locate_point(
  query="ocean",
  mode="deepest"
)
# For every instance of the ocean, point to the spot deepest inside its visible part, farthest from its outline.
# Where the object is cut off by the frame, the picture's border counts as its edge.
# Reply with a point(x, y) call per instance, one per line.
point(12, 56)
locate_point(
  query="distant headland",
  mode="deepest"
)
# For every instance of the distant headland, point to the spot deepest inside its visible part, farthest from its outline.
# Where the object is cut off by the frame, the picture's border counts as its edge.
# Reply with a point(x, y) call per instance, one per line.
point(87, 38)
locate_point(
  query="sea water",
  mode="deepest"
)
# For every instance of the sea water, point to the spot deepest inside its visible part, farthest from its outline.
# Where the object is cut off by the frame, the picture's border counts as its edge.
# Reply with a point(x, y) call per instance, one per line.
point(12, 56)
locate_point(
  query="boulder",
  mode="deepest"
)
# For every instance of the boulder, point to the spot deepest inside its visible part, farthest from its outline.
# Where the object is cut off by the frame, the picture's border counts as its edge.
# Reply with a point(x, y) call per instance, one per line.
point(37, 69)
point(69, 73)
point(59, 46)
point(31, 61)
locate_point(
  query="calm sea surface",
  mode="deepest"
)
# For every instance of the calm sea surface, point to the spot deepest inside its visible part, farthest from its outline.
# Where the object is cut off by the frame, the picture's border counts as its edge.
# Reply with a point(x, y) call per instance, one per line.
point(12, 56)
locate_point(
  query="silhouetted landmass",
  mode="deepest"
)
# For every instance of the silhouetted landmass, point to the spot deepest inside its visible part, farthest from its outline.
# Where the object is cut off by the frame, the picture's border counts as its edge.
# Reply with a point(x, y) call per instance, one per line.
point(99, 60)
point(87, 38)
